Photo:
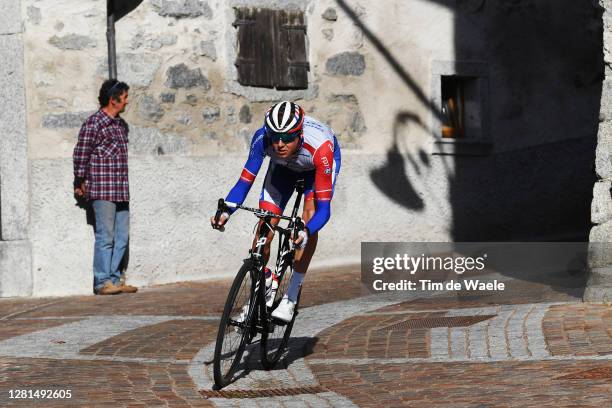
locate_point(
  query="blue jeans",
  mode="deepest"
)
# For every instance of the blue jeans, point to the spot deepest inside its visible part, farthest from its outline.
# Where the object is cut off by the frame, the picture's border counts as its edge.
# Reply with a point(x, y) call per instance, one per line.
point(111, 233)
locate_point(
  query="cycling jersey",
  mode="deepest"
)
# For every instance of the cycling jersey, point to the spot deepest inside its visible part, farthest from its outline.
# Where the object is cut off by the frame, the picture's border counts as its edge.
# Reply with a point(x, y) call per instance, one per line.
point(317, 160)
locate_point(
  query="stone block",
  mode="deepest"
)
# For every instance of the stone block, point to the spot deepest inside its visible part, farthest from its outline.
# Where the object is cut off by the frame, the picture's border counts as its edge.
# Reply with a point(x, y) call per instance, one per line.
point(34, 15)
point(137, 70)
point(600, 245)
point(167, 97)
point(330, 14)
point(153, 42)
point(182, 118)
point(601, 206)
point(149, 108)
point(346, 63)
point(328, 34)
point(191, 100)
point(73, 42)
point(182, 8)
point(599, 294)
point(10, 17)
point(68, 120)
point(211, 114)
point(603, 152)
point(245, 114)
point(151, 142)
point(601, 276)
point(231, 116)
point(605, 112)
point(14, 193)
point(15, 268)
point(357, 122)
point(180, 76)
point(207, 49)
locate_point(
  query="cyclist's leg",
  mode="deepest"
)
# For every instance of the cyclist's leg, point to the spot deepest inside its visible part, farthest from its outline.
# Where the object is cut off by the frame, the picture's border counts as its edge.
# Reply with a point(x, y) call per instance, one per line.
point(276, 192)
point(303, 257)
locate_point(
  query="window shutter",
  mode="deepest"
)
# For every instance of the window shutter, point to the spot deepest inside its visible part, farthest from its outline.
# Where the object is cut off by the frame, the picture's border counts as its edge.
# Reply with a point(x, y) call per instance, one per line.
point(292, 63)
point(255, 47)
point(271, 48)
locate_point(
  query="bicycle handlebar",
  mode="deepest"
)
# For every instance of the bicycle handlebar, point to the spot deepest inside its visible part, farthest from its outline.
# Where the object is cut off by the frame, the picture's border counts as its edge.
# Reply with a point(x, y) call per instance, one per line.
point(224, 206)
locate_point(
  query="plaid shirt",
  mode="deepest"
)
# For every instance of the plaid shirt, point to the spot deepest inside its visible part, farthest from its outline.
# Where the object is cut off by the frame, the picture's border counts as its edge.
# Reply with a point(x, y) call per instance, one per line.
point(101, 158)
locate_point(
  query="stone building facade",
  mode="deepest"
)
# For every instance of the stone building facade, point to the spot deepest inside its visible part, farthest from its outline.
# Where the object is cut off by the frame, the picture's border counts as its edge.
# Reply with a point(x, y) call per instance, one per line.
point(530, 72)
point(599, 287)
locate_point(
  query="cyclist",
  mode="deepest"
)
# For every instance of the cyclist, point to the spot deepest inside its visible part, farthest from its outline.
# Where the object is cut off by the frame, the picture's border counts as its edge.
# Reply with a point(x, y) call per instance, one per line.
point(300, 147)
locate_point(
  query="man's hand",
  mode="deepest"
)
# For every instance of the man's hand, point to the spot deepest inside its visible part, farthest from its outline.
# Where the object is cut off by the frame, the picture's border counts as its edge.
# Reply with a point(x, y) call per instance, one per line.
point(80, 191)
point(301, 239)
point(218, 221)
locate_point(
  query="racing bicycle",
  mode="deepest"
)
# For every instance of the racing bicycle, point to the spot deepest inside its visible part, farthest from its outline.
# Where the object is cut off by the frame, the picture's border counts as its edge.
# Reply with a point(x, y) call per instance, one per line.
point(249, 305)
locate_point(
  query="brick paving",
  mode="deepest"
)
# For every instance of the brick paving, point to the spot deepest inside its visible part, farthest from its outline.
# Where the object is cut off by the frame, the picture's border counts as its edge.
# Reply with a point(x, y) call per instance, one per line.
point(12, 328)
point(175, 339)
point(579, 329)
point(362, 337)
point(532, 345)
point(507, 384)
point(101, 383)
point(185, 299)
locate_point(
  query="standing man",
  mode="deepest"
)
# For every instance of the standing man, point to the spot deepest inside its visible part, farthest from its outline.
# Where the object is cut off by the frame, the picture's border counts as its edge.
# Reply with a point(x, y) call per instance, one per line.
point(101, 176)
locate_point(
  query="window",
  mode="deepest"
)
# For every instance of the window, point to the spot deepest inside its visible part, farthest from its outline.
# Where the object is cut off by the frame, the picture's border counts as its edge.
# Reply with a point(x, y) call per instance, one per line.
point(459, 108)
point(460, 94)
point(271, 48)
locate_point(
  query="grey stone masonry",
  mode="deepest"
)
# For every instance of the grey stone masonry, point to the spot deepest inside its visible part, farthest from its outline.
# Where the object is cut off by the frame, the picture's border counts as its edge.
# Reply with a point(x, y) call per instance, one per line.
point(599, 286)
point(207, 49)
point(137, 70)
point(73, 42)
point(15, 251)
point(601, 207)
point(330, 14)
point(15, 268)
point(149, 108)
point(211, 114)
point(13, 143)
point(180, 76)
point(346, 63)
point(65, 120)
point(182, 8)
point(10, 17)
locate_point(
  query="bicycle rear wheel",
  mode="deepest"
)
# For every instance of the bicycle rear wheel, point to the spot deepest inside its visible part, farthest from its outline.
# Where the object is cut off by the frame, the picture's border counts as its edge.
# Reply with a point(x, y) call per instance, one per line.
point(235, 326)
point(274, 343)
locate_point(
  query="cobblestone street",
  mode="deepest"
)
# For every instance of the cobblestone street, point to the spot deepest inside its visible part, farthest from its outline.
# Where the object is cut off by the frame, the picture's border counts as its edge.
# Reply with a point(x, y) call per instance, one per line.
point(534, 345)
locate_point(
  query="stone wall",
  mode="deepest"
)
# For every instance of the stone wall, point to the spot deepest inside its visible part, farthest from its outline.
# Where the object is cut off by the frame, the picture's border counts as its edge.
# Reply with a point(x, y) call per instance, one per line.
point(600, 282)
point(371, 77)
point(15, 256)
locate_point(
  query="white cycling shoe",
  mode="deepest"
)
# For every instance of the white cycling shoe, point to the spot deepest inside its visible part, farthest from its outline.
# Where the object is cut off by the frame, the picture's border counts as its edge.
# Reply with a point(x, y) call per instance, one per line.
point(285, 310)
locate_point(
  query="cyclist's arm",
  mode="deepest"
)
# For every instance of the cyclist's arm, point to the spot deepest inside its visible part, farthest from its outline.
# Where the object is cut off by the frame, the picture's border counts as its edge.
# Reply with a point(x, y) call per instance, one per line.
point(323, 160)
point(256, 156)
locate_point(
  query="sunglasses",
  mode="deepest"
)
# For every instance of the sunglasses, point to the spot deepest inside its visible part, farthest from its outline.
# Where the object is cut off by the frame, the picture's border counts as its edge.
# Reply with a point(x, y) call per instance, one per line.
point(285, 137)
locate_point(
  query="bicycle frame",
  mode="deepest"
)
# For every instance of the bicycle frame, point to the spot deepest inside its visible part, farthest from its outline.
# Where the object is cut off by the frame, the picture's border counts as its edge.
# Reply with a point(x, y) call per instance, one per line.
point(284, 256)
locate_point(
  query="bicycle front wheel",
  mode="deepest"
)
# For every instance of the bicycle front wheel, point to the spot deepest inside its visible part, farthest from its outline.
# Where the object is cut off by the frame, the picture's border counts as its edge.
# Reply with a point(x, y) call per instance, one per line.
point(235, 326)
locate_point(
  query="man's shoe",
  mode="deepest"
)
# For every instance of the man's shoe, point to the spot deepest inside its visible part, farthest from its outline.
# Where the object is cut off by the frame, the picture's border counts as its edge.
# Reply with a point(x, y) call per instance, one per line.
point(128, 288)
point(284, 311)
point(109, 289)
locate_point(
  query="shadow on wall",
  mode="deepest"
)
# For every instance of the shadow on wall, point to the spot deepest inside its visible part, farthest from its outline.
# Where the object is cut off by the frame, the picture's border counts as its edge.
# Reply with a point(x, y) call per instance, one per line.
point(391, 178)
point(545, 69)
point(545, 64)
